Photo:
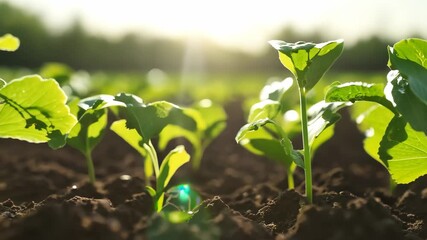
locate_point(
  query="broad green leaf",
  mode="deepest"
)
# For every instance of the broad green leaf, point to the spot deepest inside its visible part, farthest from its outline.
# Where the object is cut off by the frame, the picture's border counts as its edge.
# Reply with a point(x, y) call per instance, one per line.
point(409, 56)
point(358, 91)
point(322, 115)
point(409, 105)
point(132, 137)
point(33, 109)
point(9, 43)
point(307, 61)
point(92, 122)
point(264, 109)
point(275, 90)
point(405, 151)
point(93, 117)
point(149, 120)
point(264, 137)
point(89, 130)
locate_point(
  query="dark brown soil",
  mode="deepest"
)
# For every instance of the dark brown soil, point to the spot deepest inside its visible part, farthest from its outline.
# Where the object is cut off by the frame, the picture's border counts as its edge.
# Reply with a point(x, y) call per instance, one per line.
point(44, 194)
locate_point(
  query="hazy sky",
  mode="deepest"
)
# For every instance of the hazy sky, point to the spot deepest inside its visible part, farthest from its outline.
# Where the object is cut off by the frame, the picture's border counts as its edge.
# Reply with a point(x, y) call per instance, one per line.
point(237, 23)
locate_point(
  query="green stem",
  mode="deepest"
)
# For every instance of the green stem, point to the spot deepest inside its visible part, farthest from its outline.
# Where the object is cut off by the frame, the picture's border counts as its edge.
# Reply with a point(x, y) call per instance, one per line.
point(198, 154)
point(306, 145)
point(291, 183)
point(153, 156)
point(392, 185)
point(90, 167)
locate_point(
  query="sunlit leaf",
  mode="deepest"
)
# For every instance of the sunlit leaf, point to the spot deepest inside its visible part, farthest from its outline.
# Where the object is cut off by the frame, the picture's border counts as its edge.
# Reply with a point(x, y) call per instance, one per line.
point(358, 91)
point(410, 106)
point(132, 137)
point(321, 116)
point(9, 43)
point(149, 120)
point(275, 90)
point(307, 61)
point(409, 56)
point(89, 130)
point(372, 119)
point(264, 109)
point(33, 109)
point(172, 162)
point(264, 138)
point(405, 151)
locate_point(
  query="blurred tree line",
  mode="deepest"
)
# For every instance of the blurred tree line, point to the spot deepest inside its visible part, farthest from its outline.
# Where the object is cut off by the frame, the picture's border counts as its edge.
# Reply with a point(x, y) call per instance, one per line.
point(82, 50)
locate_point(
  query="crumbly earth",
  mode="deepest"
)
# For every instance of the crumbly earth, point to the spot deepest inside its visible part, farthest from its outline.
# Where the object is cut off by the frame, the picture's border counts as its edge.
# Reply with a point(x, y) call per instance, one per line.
point(44, 194)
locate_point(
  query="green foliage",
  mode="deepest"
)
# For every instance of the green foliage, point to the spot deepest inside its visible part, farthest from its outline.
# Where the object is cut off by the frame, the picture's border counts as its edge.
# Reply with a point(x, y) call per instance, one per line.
point(174, 160)
point(358, 91)
point(396, 130)
point(9, 43)
point(308, 61)
point(141, 123)
point(210, 119)
point(321, 116)
point(33, 109)
point(409, 58)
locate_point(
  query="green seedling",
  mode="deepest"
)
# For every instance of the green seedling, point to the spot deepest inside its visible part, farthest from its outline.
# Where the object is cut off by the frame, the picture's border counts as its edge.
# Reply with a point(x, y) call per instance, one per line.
point(264, 135)
point(211, 121)
point(33, 109)
point(148, 121)
point(394, 123)
point(92, 121)
point(308, 62)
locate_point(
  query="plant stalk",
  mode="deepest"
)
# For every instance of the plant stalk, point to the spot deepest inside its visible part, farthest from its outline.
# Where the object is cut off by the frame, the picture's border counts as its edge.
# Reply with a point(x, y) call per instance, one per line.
point(306, 146)
point(291, 183)
point(153, 156)
point(90, 167)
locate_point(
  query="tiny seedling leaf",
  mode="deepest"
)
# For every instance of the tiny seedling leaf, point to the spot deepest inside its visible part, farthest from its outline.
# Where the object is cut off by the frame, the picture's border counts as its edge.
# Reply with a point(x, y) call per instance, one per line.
point(9, 43)
point(264, 137)
point(172, 162)
point(33, 109)
point(275, 90)
point(308, 61)
point(264, 109)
